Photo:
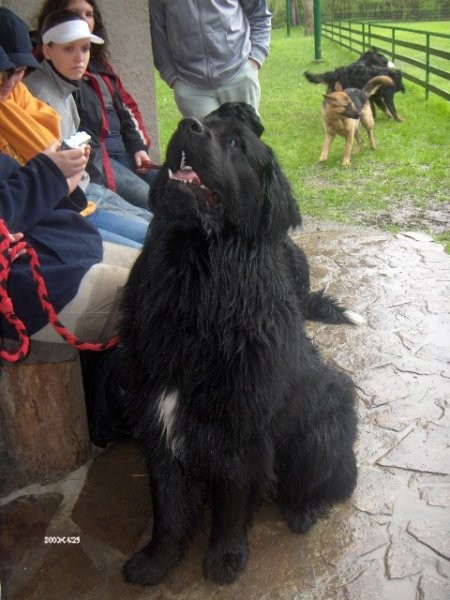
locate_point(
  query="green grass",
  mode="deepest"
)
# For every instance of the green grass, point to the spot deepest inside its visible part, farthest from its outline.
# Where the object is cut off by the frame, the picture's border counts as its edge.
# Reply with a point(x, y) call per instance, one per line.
point(410, 168)
point(434, 26)
point(444, 238)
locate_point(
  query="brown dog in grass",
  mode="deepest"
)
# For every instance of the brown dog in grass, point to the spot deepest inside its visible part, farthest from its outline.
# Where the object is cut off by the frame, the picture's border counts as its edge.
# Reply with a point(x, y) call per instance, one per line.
point(344, 110)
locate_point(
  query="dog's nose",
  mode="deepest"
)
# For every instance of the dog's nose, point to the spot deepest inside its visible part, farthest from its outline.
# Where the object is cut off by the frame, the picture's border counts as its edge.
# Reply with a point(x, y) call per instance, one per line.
point(193, 125)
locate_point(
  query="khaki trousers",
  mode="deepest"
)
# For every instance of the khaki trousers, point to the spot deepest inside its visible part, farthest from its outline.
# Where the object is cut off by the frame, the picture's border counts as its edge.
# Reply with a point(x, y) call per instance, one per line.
point(196, 102)
point(92, 314)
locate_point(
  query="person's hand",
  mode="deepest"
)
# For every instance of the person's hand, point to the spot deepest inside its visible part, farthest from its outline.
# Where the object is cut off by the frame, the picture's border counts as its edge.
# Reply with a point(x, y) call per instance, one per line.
point(16, 237)
point(254, 63)
point(142, 162)
point(72, 163)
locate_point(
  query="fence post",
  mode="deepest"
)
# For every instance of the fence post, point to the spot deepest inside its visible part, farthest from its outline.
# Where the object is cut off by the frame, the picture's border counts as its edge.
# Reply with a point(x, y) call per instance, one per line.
point(427, 70)
point(288, 17)
point(317, 27)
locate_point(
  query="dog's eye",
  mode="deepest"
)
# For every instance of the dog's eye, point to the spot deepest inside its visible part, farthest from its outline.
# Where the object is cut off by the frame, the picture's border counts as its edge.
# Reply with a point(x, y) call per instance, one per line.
point(232, 142)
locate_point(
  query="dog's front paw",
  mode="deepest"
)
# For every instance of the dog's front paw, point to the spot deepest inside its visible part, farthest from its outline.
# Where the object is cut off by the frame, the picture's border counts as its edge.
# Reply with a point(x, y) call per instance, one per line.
point(302, 521)
point(225, 566)
point(145, 569)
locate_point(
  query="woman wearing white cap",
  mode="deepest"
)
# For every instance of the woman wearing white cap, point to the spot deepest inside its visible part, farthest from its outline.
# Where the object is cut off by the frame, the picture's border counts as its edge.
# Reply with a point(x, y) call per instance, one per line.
point(66, 48)
point(109, 112)
point(66, 41)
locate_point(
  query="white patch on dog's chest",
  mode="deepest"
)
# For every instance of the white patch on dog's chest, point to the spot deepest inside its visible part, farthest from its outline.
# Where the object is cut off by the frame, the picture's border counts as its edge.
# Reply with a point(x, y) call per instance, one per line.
point(167, 412)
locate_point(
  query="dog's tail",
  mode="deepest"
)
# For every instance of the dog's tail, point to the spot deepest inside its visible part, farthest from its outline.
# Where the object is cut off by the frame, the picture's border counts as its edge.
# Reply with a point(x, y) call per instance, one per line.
point(320, 307)
point(375, 83)
point(316, 77)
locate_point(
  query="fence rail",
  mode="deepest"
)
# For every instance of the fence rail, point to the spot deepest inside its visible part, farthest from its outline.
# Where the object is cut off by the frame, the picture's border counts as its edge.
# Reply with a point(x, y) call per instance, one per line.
point(427, 61)
point(403, 14)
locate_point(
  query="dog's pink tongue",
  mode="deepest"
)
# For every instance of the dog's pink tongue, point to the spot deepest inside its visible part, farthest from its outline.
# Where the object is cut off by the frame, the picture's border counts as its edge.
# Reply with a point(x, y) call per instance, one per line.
point(188, 175)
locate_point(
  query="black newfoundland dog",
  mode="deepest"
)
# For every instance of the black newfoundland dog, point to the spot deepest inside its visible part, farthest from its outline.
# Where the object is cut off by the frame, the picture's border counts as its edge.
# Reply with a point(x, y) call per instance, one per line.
point(355, 75)
point(230, 401)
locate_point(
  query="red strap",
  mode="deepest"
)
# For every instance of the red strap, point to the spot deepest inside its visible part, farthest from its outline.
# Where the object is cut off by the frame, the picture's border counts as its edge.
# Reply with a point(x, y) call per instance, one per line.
point(8, 253)
point(107, 167)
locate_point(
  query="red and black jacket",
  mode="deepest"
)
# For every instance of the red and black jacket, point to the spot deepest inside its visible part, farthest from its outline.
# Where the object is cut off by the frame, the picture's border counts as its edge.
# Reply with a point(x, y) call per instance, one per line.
point(94, 120)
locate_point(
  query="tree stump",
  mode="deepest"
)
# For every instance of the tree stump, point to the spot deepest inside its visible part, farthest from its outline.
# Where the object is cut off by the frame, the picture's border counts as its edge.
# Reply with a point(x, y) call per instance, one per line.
point(43, 413)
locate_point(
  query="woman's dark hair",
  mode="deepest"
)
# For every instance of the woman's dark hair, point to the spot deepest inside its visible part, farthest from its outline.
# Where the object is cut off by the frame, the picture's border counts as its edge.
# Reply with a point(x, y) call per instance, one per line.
point(57, 17)
point(99, 52)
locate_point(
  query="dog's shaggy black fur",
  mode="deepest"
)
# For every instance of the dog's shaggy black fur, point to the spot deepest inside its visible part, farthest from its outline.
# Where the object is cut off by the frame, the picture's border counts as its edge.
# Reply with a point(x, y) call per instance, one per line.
point(231, 403)
point(370, 64)
point(316, 306)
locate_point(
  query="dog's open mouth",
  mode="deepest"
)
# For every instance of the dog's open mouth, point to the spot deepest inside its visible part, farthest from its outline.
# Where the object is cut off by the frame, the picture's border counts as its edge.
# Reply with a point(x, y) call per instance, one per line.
point(186, 175)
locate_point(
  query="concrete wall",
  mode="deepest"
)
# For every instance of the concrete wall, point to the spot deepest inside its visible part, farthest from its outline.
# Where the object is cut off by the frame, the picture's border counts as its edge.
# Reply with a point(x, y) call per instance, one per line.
point(128, 29)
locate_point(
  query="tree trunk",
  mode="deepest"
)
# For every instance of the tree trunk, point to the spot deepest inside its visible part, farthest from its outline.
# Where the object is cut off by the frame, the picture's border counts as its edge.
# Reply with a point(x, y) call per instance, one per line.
point(294, 13)
point(308, 14)
point(43, 414)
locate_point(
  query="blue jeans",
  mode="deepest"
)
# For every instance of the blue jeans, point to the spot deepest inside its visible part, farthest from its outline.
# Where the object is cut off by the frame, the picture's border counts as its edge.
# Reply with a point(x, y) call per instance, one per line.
point(106, 199)
point(120, 230)
point(117, 220)
point(129, 184)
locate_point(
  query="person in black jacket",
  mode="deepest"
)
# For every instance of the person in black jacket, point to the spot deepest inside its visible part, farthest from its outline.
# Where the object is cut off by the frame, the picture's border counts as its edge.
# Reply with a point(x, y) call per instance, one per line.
point(115, 139)
point(84, 275)
point(74, 262)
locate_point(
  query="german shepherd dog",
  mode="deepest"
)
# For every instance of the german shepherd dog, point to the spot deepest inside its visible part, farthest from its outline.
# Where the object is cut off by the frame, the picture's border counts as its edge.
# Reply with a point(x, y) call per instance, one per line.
point(369, 65)
point(231, 403)
point(344, 110)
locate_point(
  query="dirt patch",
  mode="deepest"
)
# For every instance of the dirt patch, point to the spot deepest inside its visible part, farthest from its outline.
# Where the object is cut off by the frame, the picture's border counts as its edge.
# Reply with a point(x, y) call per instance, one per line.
point(434, 218)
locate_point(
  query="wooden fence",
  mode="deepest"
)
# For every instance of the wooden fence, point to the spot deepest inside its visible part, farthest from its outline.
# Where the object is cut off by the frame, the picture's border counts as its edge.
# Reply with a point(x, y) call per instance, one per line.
point(428, 62)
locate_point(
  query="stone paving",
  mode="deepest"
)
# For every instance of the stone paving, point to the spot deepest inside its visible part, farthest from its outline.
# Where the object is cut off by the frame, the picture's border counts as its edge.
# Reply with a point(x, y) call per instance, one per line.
point(390, 541)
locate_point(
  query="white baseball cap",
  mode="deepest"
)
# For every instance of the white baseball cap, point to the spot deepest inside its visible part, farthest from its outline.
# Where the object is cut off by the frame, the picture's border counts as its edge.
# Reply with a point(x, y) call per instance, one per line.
point(70, 31)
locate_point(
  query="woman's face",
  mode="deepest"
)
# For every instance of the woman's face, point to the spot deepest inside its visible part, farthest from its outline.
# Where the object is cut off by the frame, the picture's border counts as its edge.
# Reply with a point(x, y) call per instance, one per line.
point(84, 10)
point(71, 60)
point(9, 83)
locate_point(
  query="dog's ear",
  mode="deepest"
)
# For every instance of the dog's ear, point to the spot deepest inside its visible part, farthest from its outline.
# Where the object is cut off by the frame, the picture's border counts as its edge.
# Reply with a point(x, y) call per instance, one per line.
point(338, 87)
point(280, 210)
point(248, 115)
point(241, 111)
point(330, 98)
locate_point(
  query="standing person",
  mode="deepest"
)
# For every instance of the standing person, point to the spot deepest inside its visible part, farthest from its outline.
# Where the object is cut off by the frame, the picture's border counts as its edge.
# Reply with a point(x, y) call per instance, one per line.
point(109, 114)
point(210, 52)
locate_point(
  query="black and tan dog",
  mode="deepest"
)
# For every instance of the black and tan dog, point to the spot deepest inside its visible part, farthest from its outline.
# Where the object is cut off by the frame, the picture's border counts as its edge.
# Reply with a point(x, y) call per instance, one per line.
point(344, 110)
point(356, 75)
